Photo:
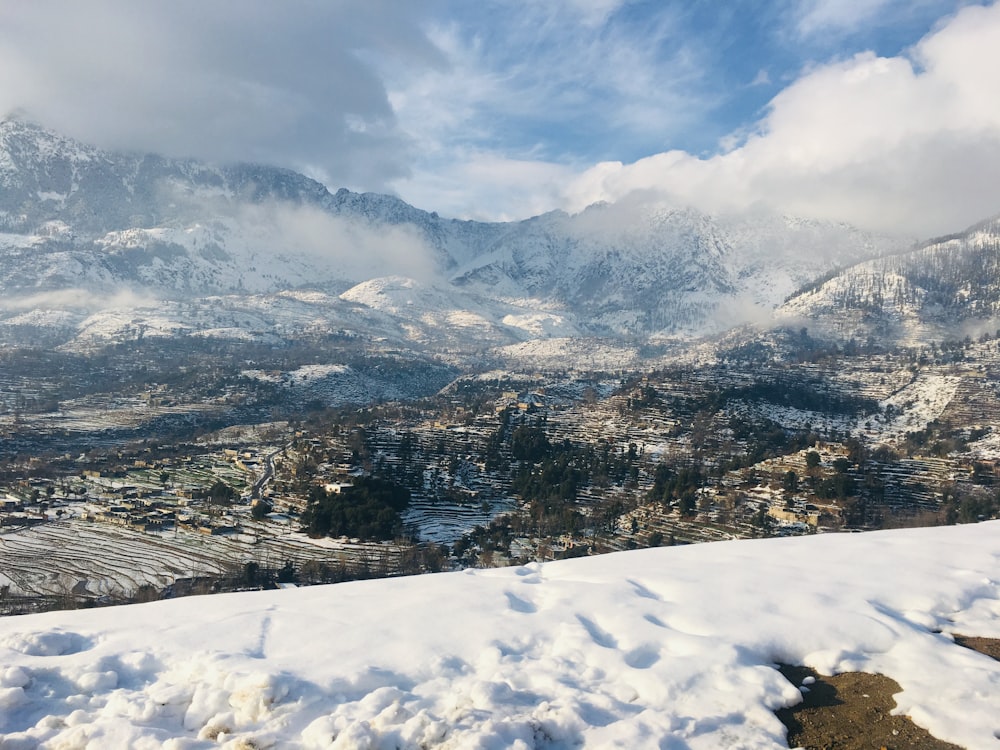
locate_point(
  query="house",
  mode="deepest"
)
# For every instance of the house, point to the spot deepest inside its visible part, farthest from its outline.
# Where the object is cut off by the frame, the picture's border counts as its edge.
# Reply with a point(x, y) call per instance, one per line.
point(787, 515)
point(338, 488)
point(11, 504)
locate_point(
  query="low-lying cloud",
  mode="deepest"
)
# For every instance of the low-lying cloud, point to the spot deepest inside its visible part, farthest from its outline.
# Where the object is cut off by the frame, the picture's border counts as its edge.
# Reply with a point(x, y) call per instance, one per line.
point(79, 299)
point(278, 233)
point(348, 248)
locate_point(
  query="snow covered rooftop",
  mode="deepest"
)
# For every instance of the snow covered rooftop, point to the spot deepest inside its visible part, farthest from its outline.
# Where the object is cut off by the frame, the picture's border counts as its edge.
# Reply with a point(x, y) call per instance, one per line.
point(664, 648)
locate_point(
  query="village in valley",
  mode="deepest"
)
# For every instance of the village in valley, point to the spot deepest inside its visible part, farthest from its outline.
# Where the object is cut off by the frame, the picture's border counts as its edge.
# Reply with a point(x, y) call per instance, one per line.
point(784, 435)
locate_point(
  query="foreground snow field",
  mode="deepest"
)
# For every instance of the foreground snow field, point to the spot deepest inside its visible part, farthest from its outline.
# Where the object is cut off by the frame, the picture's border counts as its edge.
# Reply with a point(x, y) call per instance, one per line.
point(666, 648)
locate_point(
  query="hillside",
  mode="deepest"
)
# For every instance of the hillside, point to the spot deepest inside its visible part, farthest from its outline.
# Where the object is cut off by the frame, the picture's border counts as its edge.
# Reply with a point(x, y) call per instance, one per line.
point(946, 288)
point(655, 648)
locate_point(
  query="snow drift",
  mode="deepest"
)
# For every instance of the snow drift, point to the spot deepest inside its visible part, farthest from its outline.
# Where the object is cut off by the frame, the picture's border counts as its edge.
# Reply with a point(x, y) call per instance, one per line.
point(664, 648)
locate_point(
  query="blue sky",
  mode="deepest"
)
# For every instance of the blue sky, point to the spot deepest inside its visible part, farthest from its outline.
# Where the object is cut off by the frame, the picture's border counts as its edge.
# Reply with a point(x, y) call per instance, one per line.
point(882, 113)
point(699, 70)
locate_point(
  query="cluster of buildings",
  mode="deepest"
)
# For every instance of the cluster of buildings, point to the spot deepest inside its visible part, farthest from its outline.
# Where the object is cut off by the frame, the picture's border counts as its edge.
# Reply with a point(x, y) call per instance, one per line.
point(146, 496)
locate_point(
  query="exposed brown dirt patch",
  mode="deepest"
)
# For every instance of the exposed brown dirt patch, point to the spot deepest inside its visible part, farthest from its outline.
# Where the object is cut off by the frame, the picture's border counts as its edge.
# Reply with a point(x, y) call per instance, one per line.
point(851, 711)
point(988, 646)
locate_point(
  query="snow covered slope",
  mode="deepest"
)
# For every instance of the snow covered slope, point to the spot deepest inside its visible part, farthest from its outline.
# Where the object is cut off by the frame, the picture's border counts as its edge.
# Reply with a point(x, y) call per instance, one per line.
point(946, 288)
point(648, 649)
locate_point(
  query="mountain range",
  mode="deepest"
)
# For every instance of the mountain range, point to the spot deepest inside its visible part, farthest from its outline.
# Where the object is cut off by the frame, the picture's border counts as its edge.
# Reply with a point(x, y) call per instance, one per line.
point(98, 247)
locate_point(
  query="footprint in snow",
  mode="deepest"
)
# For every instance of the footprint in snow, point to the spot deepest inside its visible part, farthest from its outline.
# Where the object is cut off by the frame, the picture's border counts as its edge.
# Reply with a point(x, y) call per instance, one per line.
point(655, 620)
point(643, 657)
point(644, 592)
point(597, 635)
point(518, 604)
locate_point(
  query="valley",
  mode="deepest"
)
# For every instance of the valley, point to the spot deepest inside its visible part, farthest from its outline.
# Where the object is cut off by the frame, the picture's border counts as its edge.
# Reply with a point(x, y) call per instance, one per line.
point(173, 490)
point(219, 378)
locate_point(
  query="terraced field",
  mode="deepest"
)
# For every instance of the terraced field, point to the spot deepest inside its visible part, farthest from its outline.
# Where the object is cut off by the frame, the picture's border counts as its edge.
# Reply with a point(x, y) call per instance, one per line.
point(93, 560)
point(83, 558)
point(445, 522)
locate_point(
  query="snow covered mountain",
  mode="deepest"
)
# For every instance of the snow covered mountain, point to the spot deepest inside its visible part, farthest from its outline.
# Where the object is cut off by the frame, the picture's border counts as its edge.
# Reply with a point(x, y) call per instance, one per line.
point(85, 231)
point(674, 647)
point(74, 216)
point(946, 288)
point(645, 269)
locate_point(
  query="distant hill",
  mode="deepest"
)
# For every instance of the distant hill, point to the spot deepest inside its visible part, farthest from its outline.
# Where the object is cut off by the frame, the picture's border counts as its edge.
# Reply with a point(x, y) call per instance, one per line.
point(945, 288)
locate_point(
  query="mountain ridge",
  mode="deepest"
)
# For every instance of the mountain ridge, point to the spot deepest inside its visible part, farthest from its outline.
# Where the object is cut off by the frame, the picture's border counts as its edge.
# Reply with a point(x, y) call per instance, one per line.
point(102, 223)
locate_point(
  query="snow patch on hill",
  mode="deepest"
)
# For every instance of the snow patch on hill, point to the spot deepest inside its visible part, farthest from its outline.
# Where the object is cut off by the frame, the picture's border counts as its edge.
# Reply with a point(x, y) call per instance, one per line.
point(542, 324)
point(944, 289)
point(916, 405)
point(571, 353)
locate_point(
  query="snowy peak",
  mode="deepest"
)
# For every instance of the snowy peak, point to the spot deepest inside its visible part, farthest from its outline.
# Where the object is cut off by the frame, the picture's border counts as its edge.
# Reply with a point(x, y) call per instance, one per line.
point(648, 268)
point(379, 208)
point(393, 294)
point(25, 146)
point(46, 176)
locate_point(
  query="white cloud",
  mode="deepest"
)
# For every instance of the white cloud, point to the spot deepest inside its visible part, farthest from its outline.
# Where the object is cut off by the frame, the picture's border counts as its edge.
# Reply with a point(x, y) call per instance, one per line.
point(593, 12)
point(529, 95)
point(825, 15)
point(500, 109)
point(358, 250)
point(548, 74)
point(76, 299)
point(813, 19)
point(898, 144)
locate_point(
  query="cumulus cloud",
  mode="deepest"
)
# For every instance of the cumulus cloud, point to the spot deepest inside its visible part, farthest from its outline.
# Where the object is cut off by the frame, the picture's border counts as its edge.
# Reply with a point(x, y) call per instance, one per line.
point(293, 83)
point(908, 143)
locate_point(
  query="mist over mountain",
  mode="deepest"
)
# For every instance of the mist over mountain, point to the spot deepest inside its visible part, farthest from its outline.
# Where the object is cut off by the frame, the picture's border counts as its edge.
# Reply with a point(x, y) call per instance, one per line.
point(86, 231)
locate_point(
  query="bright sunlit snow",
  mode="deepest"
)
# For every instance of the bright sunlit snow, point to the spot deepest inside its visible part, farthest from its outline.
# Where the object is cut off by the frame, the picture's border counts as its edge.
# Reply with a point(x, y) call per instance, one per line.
point(664, 648)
